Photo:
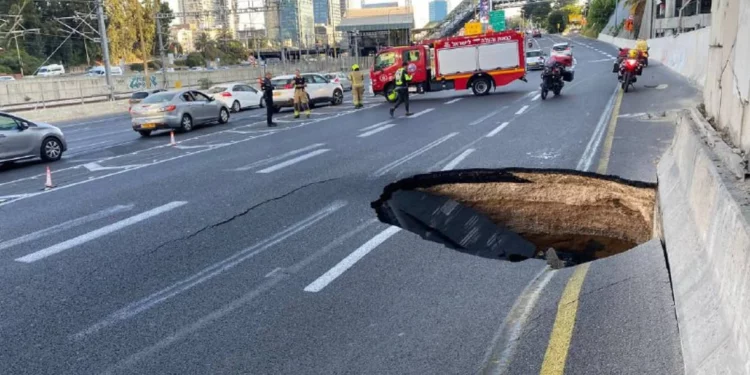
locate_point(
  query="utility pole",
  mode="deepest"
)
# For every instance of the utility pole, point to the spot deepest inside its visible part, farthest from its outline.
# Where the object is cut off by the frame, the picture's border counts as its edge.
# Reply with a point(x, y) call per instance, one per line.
point(105, 47)
point(161, 52)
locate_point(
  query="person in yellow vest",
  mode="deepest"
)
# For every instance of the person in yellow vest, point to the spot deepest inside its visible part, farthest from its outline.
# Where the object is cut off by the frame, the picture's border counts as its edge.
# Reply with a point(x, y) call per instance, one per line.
point(402, 78)
point(358, 85)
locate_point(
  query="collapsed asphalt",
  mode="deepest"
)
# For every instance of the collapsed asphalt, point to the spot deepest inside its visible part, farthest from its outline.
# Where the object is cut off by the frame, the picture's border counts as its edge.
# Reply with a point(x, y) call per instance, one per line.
point(257, 252)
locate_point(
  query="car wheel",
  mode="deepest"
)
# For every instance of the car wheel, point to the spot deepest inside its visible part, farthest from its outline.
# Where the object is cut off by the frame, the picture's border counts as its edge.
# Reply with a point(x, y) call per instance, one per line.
point(144, 133)
point(186, 123)
point(481, 86)
point(236, 106)
point(51, 149)
point(262, 103)
point(223, 116)
point(338, 97)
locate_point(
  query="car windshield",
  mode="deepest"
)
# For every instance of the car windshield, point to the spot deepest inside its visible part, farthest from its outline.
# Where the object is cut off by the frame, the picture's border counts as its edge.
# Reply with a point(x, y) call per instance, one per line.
point(560, 48)
point(139, 95)
point(385, 60)
point(163, 97)
point(534, 54)
point(216, 90)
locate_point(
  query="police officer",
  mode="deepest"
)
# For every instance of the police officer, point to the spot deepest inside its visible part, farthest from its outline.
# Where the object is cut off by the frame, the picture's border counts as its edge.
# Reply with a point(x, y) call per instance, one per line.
point(267, 88)
point(403, 78)
point(300, 96)
point(358, 86)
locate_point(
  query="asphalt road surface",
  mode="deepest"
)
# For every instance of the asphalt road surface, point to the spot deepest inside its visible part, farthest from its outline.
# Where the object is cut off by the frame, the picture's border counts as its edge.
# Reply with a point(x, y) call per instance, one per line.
point(251, 250)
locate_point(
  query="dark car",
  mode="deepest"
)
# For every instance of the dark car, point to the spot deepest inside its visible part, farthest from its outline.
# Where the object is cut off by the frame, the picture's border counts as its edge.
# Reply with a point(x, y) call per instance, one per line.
point(536, 33)
point(138, 96)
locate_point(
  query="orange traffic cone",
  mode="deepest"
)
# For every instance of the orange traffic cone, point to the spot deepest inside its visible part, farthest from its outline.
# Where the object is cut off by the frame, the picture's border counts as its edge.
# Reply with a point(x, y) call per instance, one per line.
point(171, 139)
point(48, 184)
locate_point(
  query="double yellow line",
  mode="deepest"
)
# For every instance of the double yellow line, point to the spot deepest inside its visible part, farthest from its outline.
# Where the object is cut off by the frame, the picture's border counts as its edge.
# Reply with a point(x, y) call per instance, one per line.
point(567, 309)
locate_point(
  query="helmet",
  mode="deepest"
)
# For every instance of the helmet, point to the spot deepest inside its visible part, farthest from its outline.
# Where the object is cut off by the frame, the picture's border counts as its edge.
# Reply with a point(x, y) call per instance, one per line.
point(633, 54)
point(355, 67)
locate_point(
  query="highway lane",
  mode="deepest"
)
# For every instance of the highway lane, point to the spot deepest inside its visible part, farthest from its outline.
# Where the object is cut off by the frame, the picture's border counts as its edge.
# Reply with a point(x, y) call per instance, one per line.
point(249, 250)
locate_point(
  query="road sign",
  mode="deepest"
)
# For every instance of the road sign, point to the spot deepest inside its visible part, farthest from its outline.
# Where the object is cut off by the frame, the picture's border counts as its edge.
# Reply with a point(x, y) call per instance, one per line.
point(472, 28)
point(497, 20)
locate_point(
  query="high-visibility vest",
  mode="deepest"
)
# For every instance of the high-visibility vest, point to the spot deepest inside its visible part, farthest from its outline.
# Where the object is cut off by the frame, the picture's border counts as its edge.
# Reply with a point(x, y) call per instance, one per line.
point(401, 76)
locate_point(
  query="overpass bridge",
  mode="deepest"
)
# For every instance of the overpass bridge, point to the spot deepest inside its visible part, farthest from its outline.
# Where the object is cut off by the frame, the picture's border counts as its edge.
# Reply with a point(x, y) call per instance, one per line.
point(465, 11)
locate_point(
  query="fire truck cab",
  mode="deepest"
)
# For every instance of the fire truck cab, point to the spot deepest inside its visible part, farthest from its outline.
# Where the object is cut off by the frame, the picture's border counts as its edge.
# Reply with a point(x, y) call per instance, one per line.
point(479, 62)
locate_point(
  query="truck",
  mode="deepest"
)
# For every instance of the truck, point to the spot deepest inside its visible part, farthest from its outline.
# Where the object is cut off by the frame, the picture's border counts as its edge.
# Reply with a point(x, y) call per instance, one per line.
point(477, 62)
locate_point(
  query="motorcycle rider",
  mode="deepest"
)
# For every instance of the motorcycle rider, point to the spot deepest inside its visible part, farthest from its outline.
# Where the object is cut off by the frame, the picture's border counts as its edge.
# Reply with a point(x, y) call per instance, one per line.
point(632, 55)
point(402, 78)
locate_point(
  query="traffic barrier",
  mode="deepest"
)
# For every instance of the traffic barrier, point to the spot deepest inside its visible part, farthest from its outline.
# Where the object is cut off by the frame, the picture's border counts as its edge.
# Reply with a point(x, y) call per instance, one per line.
point(706, 229)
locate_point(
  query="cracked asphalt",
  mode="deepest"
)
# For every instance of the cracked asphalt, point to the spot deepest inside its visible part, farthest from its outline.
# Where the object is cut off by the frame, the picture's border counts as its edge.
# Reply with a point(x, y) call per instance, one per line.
point(248, 250)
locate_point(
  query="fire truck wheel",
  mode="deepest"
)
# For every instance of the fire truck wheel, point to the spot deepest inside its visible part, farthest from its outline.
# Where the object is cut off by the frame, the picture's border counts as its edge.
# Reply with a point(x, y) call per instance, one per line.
point(481, 86)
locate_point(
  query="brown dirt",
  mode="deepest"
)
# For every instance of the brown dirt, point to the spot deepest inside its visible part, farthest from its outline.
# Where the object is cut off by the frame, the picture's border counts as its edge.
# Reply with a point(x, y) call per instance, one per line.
point(565, 211)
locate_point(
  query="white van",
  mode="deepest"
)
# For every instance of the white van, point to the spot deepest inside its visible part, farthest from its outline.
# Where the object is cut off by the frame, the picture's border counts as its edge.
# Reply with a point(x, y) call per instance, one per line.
point(98, 71)
point(51, 70)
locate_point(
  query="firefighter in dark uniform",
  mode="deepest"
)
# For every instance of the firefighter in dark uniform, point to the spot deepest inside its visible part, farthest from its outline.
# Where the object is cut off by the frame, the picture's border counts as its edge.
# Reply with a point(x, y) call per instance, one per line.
point(267, 88)
point(403, 78)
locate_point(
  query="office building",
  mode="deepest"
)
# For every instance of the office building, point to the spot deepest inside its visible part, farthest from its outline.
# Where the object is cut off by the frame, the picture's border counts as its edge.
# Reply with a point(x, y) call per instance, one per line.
point(210, 15)
point(327, 16)
point(438, 10)
point(297, 23)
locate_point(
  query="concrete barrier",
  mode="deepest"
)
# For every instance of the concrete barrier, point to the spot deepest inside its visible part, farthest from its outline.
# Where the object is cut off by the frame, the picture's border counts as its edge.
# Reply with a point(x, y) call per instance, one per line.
point(705, 214)
point(685, 54)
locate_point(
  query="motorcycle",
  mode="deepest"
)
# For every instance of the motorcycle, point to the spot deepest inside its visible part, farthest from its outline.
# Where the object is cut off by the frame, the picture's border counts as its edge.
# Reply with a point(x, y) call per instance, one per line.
point(552, 80)
point(629, 70)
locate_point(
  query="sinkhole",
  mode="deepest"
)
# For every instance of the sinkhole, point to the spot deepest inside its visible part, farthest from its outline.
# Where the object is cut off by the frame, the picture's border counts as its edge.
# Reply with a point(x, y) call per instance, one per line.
point(516, 214)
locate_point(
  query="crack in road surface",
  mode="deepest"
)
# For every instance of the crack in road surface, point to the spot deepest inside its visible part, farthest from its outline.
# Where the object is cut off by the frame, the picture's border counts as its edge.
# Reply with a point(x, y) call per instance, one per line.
point(241, 214)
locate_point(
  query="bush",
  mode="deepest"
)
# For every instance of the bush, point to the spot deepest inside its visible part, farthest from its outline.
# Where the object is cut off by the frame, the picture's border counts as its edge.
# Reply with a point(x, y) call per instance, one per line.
point(195, 59)
point(598, 16)
point(557, 21)
point(152, 65)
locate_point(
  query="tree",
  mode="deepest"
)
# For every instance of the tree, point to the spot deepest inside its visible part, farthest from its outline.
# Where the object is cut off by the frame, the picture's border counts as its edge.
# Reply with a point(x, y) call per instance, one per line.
point(537, 12)
point(195, 59)
point(165, 22)
point(201, 42)
point(557, 21)
point(598, 16)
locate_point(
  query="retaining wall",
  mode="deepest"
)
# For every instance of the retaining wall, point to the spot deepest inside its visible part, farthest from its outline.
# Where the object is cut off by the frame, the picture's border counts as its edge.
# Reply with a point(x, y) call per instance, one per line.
point(705, 214)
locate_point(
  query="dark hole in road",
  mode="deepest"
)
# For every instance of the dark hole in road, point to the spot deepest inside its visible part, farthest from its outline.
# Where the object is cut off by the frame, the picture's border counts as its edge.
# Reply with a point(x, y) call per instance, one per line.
point(516, 214)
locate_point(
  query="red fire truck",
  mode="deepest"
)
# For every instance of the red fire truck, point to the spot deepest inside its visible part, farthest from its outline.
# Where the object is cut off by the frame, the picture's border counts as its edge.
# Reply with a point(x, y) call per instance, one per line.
point(479, 62)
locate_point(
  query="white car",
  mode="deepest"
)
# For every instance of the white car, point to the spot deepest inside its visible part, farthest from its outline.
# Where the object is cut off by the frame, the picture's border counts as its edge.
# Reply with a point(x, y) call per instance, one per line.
point(534, 59)
point(319, 90)
point(562, 49)
point(237, 95)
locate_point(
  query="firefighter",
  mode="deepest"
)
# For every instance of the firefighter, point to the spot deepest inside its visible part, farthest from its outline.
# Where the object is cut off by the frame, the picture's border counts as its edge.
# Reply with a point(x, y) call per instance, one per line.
point(267, 88)
point(403, 78)
point(300, 96)
point(358, 85)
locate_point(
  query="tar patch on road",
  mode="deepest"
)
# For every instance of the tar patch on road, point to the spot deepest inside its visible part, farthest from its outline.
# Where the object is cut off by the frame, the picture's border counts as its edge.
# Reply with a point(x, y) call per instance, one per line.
point(517, 214)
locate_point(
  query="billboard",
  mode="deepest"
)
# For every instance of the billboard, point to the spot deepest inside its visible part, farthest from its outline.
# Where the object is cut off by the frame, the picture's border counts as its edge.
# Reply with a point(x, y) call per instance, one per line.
point(484, 11)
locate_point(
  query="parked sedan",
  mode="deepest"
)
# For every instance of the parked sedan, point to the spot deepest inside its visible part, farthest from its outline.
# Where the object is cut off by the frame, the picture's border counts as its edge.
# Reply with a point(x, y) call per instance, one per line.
point(178, 109)
point(23, 139)
point(319, 90)
point(237, 95)
point(342, 78)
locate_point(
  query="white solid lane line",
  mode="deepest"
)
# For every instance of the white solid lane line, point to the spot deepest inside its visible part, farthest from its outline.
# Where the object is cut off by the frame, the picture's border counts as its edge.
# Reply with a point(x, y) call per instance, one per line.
point(428, 110)
point(296, 160)
point(453, 101)
point(536, 97)
point(522, 110)
point(376, 130)
point(453, 163)
point(483, 118)
point(209, 272)
point(373, 126)
point(587, 159)
point(497, 129)
point(65, 226)
point(350, 260)
point(279, 157)
point(41, 254)
point(382, 171)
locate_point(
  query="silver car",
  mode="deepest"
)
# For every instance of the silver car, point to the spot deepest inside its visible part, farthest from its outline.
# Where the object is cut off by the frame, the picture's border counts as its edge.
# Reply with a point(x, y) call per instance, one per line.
point(177, 109)
point(341, 78)
point(23, 139)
